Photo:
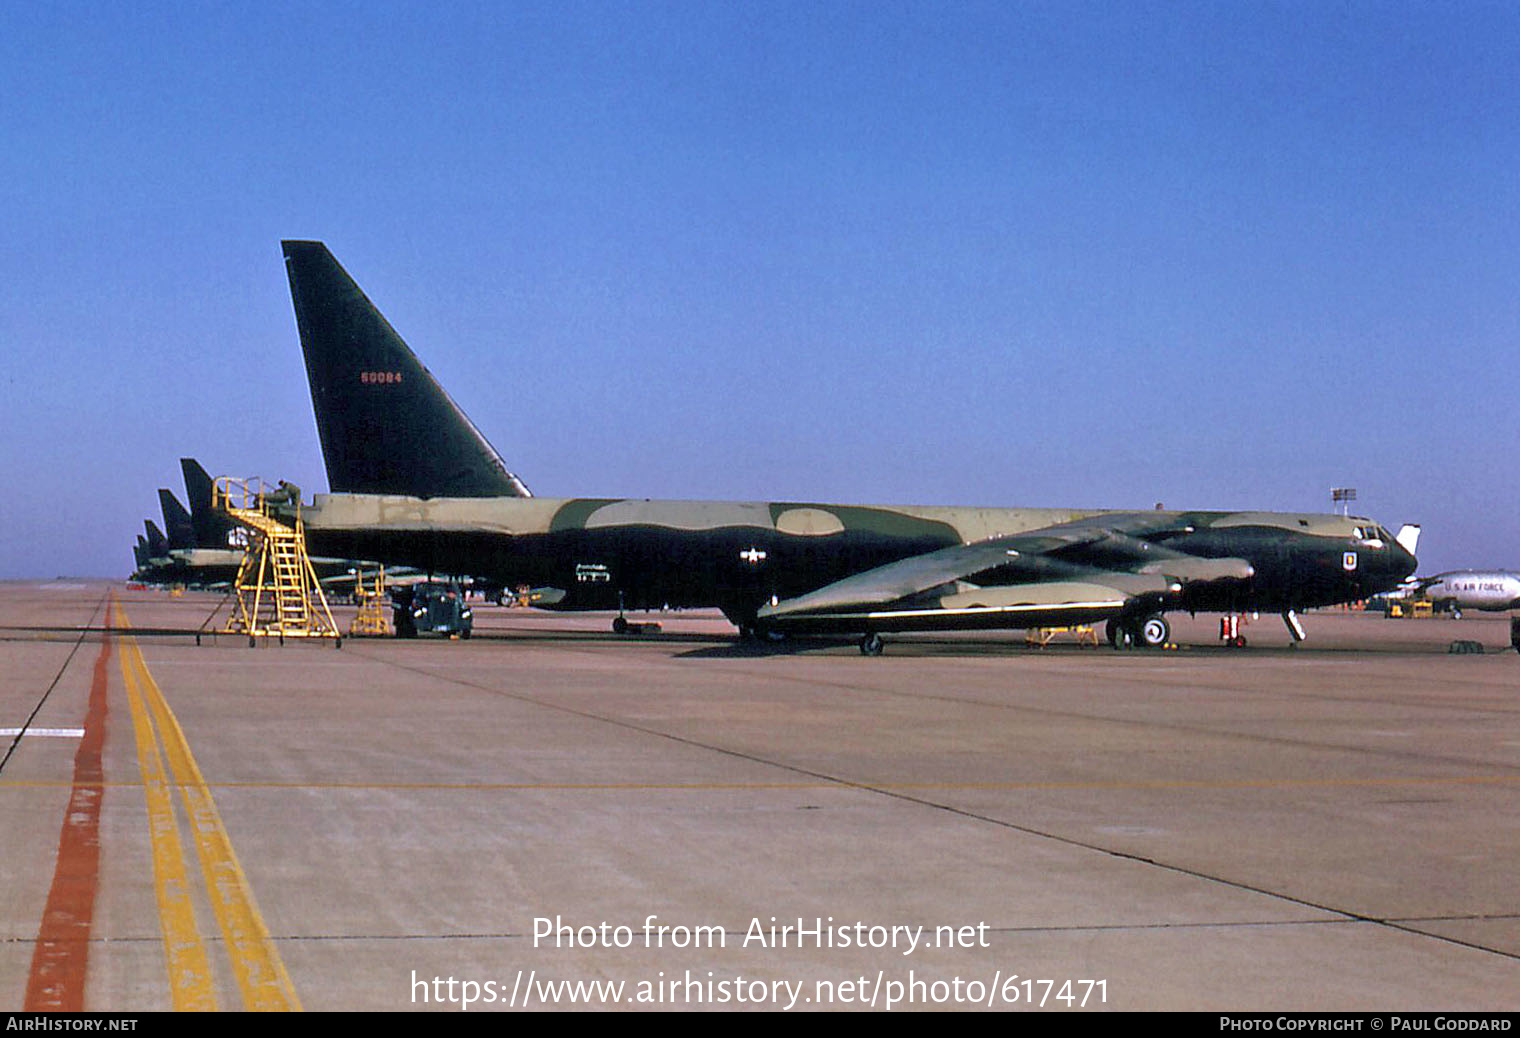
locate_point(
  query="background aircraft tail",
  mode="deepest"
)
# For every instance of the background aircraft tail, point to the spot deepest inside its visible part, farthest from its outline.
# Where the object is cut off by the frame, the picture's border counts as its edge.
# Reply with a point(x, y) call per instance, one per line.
point(176, 521)
point(213, 529)
point(387, 426)
point(158, 544)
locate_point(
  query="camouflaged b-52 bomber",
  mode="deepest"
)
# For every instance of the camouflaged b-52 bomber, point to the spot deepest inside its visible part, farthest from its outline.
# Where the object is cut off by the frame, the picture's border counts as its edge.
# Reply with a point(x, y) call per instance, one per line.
point(415, 483)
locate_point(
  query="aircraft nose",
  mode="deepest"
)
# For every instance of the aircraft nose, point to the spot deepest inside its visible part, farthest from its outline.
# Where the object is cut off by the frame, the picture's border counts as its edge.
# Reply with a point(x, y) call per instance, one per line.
point(1402, 561)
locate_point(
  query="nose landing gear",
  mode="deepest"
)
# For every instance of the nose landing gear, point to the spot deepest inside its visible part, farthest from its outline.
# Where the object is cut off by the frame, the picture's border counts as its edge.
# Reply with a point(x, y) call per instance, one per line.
point(1295, 627)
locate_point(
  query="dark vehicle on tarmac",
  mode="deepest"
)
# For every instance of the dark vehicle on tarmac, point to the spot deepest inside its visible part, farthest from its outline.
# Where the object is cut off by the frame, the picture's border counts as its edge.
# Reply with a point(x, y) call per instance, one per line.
point(436, 608)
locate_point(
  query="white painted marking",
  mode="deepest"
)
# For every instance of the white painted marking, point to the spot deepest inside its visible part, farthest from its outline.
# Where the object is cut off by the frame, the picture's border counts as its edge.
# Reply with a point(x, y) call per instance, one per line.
point(46, 733)
point(1130, 830)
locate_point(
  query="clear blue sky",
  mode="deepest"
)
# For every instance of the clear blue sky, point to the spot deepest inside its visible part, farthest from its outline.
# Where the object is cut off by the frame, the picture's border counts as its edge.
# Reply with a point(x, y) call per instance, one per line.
point(1216, 255)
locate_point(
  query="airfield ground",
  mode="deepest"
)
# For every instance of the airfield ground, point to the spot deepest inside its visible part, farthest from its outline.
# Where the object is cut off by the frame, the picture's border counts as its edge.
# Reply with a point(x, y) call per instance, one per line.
point(1325, 828)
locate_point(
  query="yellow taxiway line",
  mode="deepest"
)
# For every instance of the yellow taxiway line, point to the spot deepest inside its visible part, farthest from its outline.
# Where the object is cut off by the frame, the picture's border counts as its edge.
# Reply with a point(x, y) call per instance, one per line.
point(261, 975)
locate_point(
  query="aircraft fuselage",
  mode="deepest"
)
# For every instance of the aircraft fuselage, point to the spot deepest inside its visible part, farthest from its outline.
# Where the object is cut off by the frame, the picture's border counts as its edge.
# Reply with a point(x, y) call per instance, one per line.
point(737, 556)
point(1488, 590)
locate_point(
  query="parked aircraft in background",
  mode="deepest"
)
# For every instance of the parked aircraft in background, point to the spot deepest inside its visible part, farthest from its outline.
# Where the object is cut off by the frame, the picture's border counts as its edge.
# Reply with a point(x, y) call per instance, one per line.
point(203, 549)
point(158, 544)
point(1492, 590)
point(177, 522)
point(206, 547)
point(417, 484)
point(140, 557)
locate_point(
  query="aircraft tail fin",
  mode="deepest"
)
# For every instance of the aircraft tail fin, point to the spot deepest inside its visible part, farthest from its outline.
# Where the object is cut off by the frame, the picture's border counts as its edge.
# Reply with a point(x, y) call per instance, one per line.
point(212, 528)
point(386, 425)
point(158, 544)
point(1408, 536)
point(176, 520)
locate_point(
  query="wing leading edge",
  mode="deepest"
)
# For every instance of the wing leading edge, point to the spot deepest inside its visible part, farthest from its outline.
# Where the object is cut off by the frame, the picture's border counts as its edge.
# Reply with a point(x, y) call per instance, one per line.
point(1092, 569)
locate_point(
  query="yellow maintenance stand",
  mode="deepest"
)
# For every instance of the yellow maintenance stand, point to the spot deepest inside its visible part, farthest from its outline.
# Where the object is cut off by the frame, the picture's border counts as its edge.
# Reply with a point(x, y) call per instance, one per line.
point(277, 591)
point(370, 620)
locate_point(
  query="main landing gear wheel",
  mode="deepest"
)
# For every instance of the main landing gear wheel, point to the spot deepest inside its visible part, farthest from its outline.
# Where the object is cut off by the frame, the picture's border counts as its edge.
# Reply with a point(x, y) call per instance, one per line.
point(871, 645)
point(1155, 632)
point(1149, 632)
point(620, 625)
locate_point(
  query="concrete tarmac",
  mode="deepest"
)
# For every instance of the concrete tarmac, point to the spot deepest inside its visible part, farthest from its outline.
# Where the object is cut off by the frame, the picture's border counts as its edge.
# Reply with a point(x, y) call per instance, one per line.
point(400, 825)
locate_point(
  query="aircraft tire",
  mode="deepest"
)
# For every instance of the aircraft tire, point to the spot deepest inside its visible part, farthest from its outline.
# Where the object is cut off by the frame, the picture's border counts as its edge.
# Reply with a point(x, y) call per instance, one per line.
point(620, 625)
point(871, 645)
point(1154, 632)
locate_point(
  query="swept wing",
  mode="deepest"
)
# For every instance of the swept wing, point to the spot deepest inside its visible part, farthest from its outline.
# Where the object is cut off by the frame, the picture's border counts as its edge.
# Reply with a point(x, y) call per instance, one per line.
point(1094, 568)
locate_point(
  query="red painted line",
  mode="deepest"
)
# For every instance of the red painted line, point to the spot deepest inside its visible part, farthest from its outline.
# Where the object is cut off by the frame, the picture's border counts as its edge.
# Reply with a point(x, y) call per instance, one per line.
point(56, 983)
